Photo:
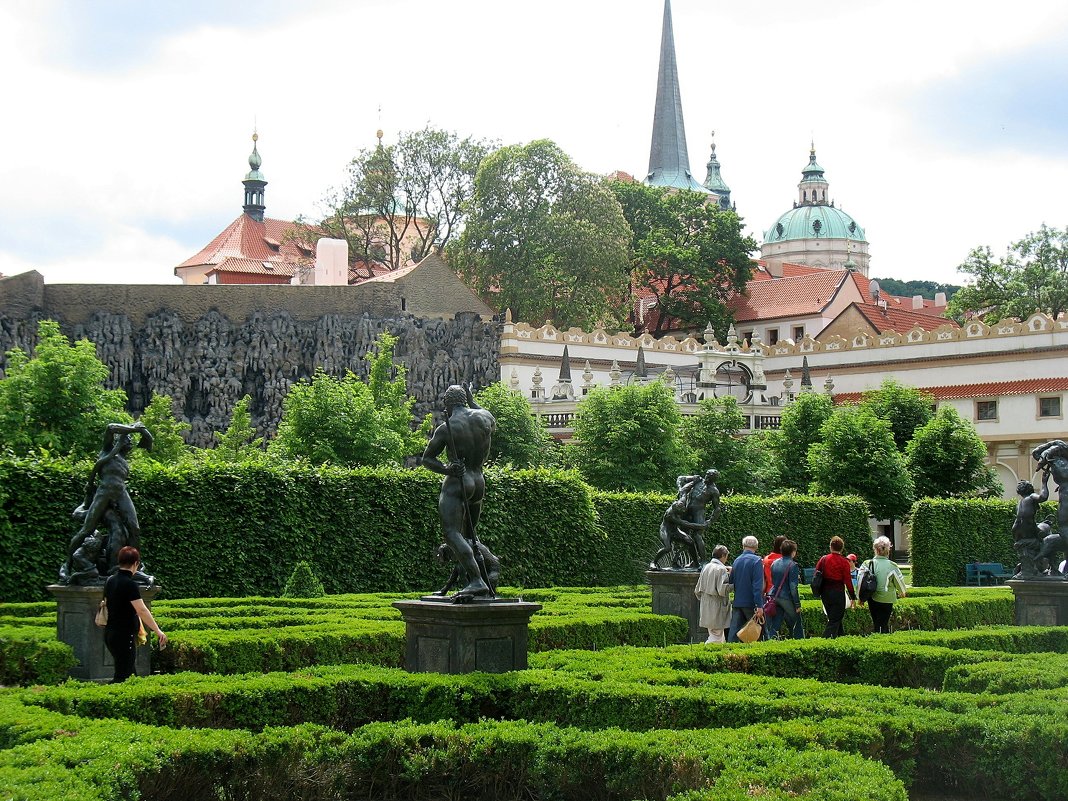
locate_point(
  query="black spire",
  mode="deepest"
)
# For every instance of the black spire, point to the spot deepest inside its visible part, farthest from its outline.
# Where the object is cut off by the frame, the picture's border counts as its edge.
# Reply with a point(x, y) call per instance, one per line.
point(255, 184)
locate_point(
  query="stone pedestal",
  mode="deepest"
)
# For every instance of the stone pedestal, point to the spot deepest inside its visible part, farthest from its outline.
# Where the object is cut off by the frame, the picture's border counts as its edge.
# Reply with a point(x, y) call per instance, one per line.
point(443, 637)
point(673, 595)
point(1041, 602)
point(74, 626)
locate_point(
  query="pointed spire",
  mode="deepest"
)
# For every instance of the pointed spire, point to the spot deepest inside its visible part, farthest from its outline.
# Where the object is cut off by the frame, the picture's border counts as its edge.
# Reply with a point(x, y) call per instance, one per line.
point(806, 376)
point(565, 366)
point(669, 161)
point(812, 191)
point(714, 182)
point(255, 183)
point(640, 370)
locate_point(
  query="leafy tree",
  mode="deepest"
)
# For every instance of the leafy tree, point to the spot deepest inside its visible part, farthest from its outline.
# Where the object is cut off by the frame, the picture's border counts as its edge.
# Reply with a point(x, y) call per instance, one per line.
point(857, 456)
point(627, 438)
point(168, 445)
point(239, 442)
point(349, 421)
point(905, 408)
point(688, 252)
point(947, 459)
point(401, 201)
point(56, 401)
point(800, 427)
point(926, 289)
point(713, 436)
point(1032, 277)
point(548, 239)
point(521, 439)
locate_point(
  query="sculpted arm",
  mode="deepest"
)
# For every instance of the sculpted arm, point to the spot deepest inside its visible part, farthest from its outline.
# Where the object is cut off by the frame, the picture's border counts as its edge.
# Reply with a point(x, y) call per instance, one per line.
point(434, 449)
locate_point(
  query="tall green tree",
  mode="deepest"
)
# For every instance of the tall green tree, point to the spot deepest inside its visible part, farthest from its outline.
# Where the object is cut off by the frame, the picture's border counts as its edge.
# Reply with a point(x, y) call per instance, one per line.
point(947, 459)
point(857, 456)
point(800, 427)
point(56, 401)
point(548, 240)
point(401, 201)
point(521, 439)
point(690, 254)
point(713, 436)
point(628, 438)
point(168, 445)
point(905, 408)
point(1031, 277)
point(239, 442)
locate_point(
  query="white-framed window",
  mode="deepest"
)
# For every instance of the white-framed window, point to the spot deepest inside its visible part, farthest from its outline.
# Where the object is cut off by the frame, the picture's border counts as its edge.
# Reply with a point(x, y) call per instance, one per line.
point(986, 410)
point(799, 333)
point(773, 336)
point(1050, 406)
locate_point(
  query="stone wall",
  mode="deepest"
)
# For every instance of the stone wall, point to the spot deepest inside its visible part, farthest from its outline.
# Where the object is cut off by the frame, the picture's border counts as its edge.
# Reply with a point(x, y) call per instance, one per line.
point(206, 360)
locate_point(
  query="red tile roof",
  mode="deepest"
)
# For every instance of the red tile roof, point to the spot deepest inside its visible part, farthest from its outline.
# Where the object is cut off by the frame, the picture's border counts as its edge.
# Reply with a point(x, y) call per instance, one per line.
point(235, 265)
point(789, 270)
point(246, 239)
point(899, 320)
point(787, 297)
point(988, 389)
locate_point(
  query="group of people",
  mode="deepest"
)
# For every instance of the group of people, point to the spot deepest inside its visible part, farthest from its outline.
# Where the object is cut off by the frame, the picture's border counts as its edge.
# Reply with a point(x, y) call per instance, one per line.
point(732, 594)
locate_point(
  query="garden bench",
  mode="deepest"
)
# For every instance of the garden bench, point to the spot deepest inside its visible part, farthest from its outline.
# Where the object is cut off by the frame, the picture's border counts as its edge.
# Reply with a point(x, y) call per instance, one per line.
point(992, 572)
point(809, 573)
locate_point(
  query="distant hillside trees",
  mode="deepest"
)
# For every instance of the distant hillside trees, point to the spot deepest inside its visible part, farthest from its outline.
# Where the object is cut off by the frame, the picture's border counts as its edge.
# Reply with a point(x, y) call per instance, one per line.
point(907, 289)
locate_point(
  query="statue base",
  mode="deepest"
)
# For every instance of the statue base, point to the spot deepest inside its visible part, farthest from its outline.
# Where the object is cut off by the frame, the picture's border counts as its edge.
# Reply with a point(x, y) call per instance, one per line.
point(488, 635)
point(1041, 601)
point(75, 626)
point(673, 595)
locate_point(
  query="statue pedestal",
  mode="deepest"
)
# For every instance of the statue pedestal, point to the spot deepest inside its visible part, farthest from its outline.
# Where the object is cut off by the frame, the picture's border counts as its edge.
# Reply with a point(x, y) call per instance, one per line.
point(673, 595)
point(74, 626)
point(1041, 602)
point(485, 635)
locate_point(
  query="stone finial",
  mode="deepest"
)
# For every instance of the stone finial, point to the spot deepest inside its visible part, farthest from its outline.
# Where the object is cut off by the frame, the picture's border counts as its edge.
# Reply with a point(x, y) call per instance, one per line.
point(828, 386)
point(710, 337)
point(668, 376)
point(563, 389)
point(787, 383)
point(508, 315)
point(587, 377)
point(537, 392)
point(615, 375)
point(565, 366)
point(513, 379)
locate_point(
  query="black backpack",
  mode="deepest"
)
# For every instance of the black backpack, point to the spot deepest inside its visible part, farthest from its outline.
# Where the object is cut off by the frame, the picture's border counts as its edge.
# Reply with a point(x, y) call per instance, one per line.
point(868, 584)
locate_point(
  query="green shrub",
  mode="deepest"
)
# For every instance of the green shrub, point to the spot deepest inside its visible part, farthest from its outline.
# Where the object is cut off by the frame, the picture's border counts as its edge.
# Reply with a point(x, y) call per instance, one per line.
point(32, 654)
point(303, 583)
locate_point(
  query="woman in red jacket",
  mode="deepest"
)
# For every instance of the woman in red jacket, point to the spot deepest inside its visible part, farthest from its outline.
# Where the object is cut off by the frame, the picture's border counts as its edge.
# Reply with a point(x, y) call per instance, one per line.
point(837, 583)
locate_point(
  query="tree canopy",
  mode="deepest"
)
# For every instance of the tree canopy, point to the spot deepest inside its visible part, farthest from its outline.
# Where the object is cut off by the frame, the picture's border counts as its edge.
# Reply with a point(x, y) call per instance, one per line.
point(548, 240)
point(627, 438)
point(239, 442)
point(857, 456)
point(799, 428)
point(1032, 277)
point(401, 201)
point(905, 408)
point(56, 401)
point(521, 439)
point(947, 459)
point(159, 418)
point(688, 253)
point(712, 436)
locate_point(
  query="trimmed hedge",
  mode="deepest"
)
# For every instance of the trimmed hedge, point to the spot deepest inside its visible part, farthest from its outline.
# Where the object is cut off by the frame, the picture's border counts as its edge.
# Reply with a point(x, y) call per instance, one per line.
point(947, 534)
point(237, 530)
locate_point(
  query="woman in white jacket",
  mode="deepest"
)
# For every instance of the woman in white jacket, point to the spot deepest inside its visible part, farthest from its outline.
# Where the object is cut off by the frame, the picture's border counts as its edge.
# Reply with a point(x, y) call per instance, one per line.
point(713, 590)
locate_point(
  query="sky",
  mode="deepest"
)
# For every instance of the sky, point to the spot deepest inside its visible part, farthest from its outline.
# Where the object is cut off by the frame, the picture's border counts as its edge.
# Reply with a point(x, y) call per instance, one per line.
point(942, 126)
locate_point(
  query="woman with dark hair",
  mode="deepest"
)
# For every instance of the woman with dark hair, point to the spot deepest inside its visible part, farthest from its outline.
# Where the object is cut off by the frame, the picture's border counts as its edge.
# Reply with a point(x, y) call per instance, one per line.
point(126, 612)
point(837, 583)
point(785, 576)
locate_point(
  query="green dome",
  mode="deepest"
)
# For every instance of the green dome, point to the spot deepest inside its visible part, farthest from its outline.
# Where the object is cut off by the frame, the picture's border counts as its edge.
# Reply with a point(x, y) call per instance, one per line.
point(807, 222)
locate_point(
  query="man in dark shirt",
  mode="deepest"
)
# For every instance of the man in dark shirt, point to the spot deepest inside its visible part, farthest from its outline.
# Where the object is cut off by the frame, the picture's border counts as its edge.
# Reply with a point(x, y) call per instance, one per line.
point(747, 576)
point(126, 611)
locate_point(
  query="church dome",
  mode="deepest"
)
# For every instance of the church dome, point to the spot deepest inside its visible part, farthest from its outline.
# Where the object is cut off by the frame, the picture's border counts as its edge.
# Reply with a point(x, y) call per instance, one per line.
point(814, 222)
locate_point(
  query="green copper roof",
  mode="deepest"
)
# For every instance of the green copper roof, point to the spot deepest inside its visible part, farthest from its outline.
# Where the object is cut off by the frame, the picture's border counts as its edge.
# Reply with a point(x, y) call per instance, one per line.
point(254, 162)
point(808, 222)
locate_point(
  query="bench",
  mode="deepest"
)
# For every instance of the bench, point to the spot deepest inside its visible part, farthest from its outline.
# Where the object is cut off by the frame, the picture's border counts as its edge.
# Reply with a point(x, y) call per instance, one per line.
point(809, 573)
point(991, 572)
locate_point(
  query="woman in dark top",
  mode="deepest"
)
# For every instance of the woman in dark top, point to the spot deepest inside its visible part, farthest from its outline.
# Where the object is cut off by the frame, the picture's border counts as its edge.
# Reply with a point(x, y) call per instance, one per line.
point(785, 575)
point(126, 611)
point(837, 583)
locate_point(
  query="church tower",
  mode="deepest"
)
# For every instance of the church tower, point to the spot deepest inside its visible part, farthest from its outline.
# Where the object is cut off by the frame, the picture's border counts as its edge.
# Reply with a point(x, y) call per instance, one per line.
point(255, 184)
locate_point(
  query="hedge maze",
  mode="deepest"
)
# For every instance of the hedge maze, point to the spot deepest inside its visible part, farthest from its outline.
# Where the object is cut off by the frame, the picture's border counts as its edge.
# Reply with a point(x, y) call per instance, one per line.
point(268, 698)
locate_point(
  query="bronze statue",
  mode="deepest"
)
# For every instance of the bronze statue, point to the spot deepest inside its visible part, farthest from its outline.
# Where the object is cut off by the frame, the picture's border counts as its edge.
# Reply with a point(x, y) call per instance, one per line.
point(1039, 549)
point(686, 521)
point(91, 555)
point(464, 437)
point(1026, 534)
point(493, 567)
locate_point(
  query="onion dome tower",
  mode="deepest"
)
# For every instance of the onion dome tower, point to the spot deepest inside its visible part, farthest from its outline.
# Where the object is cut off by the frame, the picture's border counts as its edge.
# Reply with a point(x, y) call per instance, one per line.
point(255, 184)
point(815, 232)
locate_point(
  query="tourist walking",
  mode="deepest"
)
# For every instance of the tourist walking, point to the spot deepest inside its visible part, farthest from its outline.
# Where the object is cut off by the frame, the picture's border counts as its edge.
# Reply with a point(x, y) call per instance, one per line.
point(837, 584)
point(126, 612)
point(713, 590)
point(768, 561)
point(747, 577)
point(889, 586)
point(785, 575)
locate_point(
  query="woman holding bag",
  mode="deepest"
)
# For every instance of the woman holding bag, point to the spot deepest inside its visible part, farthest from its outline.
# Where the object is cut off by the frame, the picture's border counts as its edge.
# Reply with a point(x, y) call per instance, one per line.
point(837, 584)
point(785, 575)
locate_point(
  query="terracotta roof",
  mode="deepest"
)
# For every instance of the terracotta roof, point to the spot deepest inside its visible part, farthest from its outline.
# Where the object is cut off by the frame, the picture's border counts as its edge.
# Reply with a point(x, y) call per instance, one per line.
point(899, 320)
point(249, 239)
point(789, 270)
point(787, 297)
point(235, 265)
point(1026, 386)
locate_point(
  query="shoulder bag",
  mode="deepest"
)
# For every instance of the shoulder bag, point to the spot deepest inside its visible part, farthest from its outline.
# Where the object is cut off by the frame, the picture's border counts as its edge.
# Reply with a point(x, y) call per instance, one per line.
point(101, 618)
point(771, 609)
point(867, 583)
point(817, 579)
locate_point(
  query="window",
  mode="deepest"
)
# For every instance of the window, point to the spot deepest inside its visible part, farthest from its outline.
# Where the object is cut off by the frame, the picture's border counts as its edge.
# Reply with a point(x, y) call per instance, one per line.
point(748, 336)
point(1049, 407)
point(986, 410)
point(773, 336)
